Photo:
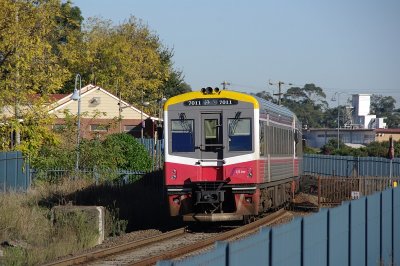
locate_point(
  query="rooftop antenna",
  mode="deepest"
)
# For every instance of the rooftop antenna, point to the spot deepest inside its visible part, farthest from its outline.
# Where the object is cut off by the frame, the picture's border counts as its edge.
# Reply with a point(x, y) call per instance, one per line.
point(224, 84)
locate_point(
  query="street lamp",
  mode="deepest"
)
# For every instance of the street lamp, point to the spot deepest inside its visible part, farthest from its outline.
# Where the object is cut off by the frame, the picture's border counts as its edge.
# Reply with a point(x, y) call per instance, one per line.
point(160, 110)
point(76, 96)
point(141, 116)
point(338, 115)
point(161, 101)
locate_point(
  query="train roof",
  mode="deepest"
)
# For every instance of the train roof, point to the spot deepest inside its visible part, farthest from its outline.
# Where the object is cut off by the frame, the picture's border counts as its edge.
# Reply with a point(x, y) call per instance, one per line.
point(267, 107)
point(221, 94)
point(276, 112)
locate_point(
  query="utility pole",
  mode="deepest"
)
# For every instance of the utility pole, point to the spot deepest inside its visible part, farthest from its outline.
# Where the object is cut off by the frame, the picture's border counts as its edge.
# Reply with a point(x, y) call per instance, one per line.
point(279, 94)
point(224, 84)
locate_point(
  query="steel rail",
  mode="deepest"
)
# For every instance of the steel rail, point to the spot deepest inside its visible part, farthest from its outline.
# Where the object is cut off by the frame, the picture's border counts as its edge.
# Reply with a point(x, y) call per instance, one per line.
point(268, 220)
point(105, 252)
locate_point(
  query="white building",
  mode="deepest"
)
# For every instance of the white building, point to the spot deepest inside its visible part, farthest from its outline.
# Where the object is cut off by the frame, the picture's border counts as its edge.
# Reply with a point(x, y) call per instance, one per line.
point(361, 113)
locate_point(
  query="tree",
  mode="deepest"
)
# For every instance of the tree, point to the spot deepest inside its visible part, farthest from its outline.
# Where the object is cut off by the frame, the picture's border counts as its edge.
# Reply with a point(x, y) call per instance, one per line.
point(393, 120)
point(175, 85)
point(308, 103)
point(128, 55)
point(382, 105)
point(128, 152)
point(266, 96)
point(28, 67)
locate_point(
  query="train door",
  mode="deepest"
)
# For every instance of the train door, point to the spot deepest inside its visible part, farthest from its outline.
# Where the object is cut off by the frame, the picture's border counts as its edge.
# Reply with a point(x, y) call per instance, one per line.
point(211, 137)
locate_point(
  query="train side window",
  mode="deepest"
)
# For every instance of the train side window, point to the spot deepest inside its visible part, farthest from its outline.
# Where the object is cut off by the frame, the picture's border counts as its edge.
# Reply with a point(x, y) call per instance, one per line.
point(262, 138)
point(182, 135)
point(240, 136)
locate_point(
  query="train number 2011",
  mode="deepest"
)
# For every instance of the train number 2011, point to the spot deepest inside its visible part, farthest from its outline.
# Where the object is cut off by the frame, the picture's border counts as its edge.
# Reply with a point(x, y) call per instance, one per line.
point(194, 103)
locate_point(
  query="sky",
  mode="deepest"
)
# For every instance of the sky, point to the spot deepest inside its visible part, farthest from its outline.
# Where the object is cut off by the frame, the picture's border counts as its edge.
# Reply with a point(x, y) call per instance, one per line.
point(341, 46)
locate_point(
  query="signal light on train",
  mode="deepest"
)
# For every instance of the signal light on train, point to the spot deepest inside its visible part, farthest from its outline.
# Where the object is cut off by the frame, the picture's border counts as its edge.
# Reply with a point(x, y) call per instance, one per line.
point(209, 90)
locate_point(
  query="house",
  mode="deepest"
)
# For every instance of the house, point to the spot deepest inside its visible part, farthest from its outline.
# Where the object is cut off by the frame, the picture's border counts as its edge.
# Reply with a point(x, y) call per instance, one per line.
point(102, 113)
point(318, 137)
point(383, 134)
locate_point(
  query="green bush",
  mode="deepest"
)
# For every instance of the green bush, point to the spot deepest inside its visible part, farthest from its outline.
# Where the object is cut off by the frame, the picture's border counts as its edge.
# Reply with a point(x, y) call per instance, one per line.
point(117, 151)
point(125, 152)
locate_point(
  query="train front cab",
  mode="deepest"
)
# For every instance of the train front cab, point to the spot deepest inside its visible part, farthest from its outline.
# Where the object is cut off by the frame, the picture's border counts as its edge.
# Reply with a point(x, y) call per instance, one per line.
point(211, 171)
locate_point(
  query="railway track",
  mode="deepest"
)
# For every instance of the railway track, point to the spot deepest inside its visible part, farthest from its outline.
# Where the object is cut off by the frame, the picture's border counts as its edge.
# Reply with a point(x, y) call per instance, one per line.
point(170, 245)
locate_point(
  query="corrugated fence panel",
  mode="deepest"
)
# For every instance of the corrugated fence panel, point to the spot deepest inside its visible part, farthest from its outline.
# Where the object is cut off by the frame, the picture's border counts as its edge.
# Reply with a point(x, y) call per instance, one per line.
point(338, 245)
point(330, 165)
point(315, 236)
point(361, 232)
point(253, 250)
point(3, 173)
point(396, 226)
point(286, 244)
point(374, 166)
point(357, 231)
point(386, 226)
point(373, 229)
point(14, 172)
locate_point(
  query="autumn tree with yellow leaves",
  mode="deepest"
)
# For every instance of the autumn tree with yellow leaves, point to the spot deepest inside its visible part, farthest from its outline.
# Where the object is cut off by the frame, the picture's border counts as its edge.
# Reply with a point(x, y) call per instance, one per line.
point(44, 44)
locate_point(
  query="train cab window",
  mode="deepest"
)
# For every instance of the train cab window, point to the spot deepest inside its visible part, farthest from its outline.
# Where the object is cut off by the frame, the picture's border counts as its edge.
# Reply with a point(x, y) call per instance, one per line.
point(211, 133)
point(182, 135)
point(240, 136)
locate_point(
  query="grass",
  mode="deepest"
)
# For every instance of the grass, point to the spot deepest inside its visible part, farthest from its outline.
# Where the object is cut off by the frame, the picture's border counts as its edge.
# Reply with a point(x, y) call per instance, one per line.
point(29, 236)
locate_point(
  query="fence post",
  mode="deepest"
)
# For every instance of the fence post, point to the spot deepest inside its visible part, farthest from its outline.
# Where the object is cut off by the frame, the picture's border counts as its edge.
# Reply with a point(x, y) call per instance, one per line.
point(319, 192)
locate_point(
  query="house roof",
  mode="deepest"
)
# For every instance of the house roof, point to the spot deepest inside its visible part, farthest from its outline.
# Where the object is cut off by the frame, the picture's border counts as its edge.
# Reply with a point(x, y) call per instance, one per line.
point(63, 100)
point(388, 130)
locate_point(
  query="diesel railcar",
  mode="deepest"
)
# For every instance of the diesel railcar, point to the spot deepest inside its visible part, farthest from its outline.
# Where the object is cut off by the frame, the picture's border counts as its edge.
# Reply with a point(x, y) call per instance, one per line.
point(229, 155)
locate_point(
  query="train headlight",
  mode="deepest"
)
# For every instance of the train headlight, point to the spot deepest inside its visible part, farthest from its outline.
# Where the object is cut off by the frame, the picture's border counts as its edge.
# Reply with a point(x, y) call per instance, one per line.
point(249, 173)
point(249, 199)
point(210, 90)
point(173, 172)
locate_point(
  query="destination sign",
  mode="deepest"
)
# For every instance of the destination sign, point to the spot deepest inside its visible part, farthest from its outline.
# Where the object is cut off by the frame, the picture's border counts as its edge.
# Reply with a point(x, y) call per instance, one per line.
point(210, 102)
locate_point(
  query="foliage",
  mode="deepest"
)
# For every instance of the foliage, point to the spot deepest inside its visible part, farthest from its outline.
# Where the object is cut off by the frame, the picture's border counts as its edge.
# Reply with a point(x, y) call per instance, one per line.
point(128, 54)
point(43, 44)
point(393, 120)
point(373, 149)
point(175, 85)
point(308, 103)
point(26, 225)
point(266, 96)
point(382, 105)
point(117, 151)
point(310, 150)
point(125, 152)
point(28, 67)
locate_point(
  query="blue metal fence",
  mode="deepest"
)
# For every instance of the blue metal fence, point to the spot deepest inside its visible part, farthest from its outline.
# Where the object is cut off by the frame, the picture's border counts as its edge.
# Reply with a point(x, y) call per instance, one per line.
point(14, 172)
point(360, 232)
point(155, 149)
point(346, 166)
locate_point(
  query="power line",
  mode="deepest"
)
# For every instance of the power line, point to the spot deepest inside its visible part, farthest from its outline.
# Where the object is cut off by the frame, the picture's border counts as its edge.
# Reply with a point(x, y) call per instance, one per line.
point(279, 94)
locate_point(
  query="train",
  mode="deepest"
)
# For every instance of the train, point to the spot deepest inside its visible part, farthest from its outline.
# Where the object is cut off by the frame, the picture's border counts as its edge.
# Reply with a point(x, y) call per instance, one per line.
point(229, 156)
